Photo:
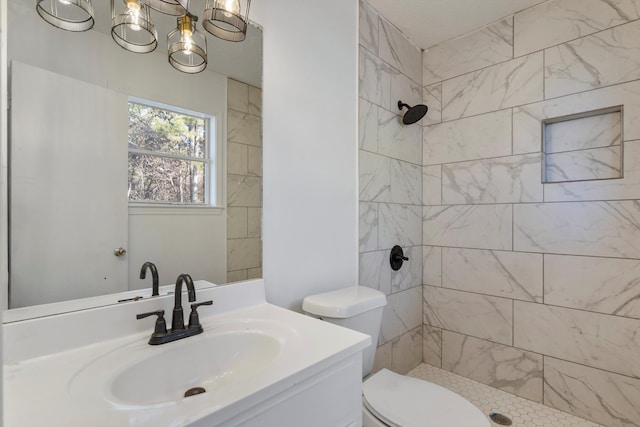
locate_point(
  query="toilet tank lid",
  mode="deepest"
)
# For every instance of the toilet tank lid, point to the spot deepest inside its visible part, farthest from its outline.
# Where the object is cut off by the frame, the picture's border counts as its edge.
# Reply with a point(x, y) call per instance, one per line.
point(343, 303)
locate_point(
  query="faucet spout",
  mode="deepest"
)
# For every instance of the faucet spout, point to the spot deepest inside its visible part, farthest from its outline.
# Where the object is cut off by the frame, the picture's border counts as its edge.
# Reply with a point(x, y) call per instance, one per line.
point(178, 318)
point(154, 277)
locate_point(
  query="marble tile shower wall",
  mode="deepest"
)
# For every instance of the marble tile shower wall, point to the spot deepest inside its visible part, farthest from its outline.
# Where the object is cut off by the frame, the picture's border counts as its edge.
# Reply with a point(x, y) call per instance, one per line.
point(244, 181)
point(534, 288)
point(390, 169)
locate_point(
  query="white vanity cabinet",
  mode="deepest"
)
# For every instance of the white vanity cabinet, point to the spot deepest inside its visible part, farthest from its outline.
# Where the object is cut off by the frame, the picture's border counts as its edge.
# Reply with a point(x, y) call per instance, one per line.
point(261, 366)
point(331, 398)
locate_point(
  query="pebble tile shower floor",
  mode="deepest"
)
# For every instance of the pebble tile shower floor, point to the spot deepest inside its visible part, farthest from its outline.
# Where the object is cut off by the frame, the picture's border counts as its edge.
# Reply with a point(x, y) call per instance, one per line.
point(523, 412)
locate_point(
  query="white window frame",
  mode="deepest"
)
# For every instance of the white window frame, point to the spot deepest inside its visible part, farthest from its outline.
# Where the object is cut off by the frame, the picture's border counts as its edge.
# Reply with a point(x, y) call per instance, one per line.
point(211, 196)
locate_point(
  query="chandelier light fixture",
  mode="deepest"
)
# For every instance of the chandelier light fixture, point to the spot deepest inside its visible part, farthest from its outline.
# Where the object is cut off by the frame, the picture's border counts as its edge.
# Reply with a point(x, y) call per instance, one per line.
point(169, 7)
point(227, 19)
point(132, 27)
point(187, 46)
point(70, 15)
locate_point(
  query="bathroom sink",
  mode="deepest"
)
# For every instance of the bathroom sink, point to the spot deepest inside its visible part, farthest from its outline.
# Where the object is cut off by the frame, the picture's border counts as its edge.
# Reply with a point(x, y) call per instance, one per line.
point(140, 375)
point(202, 364)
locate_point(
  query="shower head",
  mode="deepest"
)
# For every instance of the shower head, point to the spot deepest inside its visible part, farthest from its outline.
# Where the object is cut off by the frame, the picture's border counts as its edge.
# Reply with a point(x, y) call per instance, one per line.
point(414, 113)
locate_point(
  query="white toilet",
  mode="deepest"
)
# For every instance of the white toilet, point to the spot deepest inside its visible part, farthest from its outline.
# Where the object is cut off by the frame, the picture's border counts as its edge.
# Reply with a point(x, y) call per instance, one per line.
point(389, 399)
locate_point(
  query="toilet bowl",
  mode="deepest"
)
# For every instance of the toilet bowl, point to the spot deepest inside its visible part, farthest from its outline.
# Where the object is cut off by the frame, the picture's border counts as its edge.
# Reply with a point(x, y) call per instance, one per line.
point(390, 399)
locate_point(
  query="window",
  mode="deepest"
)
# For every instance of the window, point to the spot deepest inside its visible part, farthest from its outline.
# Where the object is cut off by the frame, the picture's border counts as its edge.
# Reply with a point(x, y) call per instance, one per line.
point(170, 155)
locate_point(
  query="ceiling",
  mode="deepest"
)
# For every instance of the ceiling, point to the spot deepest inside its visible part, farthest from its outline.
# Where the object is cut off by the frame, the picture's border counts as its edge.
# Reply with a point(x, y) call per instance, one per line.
point(430, 22)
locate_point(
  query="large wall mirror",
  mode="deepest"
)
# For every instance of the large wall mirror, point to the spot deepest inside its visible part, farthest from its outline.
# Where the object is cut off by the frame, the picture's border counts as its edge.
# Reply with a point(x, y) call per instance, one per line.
point(117, 158)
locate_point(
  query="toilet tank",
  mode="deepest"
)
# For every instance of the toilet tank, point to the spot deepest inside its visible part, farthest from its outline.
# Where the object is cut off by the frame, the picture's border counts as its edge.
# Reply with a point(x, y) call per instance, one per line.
point(358, 308)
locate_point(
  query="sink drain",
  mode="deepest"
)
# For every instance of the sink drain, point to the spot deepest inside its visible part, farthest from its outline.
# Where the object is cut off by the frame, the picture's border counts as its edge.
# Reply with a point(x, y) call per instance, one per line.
point(500, 419)
point(194, 391)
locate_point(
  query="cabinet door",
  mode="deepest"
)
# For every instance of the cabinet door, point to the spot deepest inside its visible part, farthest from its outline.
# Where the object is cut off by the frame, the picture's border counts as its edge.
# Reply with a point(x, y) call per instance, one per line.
point(68, 197)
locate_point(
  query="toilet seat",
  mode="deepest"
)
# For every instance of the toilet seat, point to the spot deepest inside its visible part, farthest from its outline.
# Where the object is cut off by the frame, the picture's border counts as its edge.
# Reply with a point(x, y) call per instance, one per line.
point(401, 401)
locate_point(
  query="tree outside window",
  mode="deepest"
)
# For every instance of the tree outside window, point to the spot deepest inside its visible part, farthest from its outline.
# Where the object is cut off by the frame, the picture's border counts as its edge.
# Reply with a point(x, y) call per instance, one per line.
point(169, 157)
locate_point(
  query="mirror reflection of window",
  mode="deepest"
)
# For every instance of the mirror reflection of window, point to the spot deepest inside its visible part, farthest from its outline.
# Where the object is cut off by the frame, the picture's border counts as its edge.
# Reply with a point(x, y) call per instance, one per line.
point(169, 156)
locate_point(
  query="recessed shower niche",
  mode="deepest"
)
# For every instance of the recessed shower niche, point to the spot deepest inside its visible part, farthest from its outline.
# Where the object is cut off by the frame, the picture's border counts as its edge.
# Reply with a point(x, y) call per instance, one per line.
point(583, 147)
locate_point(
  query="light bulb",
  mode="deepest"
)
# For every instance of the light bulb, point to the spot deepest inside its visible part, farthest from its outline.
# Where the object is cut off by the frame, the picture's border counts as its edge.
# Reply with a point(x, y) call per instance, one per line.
point(230, 6)
point(188, 41)
point(133, 9)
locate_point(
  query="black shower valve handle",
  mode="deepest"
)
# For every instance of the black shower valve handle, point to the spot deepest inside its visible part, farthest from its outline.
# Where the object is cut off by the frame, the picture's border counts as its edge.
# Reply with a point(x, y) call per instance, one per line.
point(397, 257)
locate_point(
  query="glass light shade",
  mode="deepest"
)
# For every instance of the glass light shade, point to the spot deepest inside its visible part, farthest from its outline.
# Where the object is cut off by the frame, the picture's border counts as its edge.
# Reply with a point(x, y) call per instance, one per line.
point(187, 46)
point(168, 7)
point(70, 15)
point(227, 19)
point(133, 29)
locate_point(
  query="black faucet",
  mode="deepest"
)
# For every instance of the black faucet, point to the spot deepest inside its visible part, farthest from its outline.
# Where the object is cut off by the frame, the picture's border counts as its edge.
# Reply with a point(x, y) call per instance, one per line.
point(178, 331)
point(178, 316)
point(154, 276)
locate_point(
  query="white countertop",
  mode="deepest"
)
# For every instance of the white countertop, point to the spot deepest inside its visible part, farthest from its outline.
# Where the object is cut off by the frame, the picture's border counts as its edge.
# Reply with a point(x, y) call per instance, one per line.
point(39, 391)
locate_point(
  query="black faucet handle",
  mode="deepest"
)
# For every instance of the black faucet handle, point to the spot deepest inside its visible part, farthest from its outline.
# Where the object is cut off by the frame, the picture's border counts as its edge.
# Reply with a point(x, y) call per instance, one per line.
point(194, 319)
point(198, 304)
point(161, 324)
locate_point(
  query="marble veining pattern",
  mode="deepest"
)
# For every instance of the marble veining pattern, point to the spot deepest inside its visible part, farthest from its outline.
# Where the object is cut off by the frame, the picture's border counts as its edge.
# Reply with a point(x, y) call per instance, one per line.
point(432, 97)
point(602, 59)
point(504, 274)
point(369, 24)
point(244, 191)
point(410, 275)
point(404, 89)
point(244, 128)
point(477, 315)
point(602, 341)
point(367, 126)
point(580, 228)
point(402, 314)
point(382, 359)
point(243, 253)
point(255, 101)
point(375, 177)
point(599, 130)
point(509, 84)
point(514, 179)
point(375, 271)
point(488, 135)
point(406, 351)
point(399, 225)
point(582, 165)
point(555, 22)
point(374, 79)
point(488, 46)
point(596, 395)
point(432, 185)
point(625, 188)
point(432, 345)
point(237, 96)
point(475, 226)
point(406, 183)
point(503, 367)
point(398, 51)
point(368, 221)
point(607, 285)
point(397, 140)
point(432, 266)
point(523, 412)
point(527, 132)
